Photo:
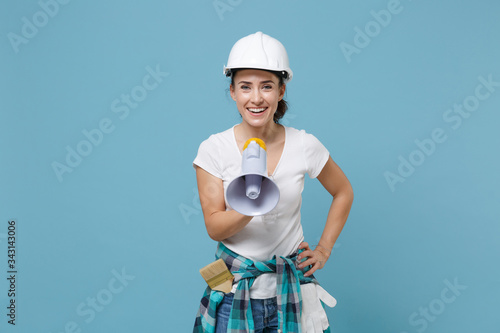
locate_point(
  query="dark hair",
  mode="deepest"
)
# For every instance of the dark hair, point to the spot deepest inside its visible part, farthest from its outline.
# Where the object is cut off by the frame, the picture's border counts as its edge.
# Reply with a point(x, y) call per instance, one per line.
point(282, 105)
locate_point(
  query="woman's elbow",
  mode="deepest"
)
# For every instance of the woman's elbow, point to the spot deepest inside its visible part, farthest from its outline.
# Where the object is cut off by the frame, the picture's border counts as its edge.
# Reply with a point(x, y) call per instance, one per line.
point(346, 192)
point(350, 192)
point(216, 237)
point(214, 232)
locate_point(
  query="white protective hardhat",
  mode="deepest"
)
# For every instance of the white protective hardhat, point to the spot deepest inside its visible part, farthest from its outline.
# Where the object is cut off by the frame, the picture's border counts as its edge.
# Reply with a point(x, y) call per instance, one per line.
point(259, 51)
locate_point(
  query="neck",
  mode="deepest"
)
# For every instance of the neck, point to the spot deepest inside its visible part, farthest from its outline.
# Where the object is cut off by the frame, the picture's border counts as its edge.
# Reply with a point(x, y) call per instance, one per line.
point(266, 133)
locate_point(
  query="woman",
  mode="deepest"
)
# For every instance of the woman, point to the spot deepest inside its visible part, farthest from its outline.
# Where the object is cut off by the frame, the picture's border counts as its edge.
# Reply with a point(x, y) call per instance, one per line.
point(266, 253)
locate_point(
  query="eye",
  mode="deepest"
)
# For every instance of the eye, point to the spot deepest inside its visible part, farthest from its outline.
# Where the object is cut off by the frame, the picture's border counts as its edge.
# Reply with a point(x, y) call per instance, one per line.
point(267, 87)
point(244, 87)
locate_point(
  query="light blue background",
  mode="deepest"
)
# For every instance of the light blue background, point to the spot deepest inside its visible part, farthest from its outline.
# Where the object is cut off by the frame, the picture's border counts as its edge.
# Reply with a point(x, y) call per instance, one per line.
point(131, 203)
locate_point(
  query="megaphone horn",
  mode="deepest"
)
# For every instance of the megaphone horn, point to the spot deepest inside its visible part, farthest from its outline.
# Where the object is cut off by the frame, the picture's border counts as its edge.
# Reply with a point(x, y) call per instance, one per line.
point(253, 193)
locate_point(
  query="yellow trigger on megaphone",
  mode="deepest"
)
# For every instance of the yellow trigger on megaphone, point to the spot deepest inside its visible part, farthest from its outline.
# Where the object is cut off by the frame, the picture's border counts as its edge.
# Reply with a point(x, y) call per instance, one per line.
point(252, 193)
point(258, 141)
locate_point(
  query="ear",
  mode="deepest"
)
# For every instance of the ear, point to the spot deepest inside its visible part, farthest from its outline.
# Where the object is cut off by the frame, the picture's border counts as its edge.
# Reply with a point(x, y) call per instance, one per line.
point(231, 91)
point(282, 91)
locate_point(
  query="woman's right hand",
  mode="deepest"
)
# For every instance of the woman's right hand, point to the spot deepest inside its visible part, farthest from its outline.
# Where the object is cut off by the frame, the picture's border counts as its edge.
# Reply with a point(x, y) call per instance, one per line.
point(220, 223)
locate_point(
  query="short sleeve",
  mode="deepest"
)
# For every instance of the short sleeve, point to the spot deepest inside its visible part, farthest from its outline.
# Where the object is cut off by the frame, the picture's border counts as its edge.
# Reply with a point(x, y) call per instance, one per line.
point(315, 154)
point(208, 157)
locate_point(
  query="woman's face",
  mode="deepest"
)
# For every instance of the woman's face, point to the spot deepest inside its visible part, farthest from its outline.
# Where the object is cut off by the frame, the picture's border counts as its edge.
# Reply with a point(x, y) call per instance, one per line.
point(256, 93)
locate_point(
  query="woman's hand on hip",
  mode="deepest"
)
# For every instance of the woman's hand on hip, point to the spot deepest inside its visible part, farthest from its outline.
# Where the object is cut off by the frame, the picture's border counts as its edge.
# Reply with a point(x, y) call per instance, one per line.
point(317, 258)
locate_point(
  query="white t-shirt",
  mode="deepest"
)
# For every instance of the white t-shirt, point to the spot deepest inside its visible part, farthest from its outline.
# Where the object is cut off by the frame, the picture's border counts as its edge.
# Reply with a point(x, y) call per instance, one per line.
point(278, 232)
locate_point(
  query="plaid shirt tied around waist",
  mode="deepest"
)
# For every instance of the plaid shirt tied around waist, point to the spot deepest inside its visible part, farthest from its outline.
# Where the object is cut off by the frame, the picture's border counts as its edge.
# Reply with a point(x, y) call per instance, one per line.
point(289, 299)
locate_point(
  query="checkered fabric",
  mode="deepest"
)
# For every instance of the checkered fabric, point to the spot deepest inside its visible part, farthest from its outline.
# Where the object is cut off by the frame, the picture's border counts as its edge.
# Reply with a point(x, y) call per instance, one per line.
point(245, 271)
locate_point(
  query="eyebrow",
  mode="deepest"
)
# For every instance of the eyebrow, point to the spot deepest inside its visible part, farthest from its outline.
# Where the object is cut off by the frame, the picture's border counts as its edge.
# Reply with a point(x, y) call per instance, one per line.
point(247, 82)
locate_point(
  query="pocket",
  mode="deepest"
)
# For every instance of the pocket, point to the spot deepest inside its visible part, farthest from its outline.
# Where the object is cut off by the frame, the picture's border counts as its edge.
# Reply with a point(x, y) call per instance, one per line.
point(224, 308)
point(227, 300)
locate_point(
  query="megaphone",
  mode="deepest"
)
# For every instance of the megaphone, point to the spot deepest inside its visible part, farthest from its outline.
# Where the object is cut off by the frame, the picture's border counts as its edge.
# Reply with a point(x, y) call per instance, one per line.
point(253, 193)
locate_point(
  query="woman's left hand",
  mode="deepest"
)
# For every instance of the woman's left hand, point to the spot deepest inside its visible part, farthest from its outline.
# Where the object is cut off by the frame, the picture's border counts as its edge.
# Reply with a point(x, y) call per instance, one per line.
point(317, 258)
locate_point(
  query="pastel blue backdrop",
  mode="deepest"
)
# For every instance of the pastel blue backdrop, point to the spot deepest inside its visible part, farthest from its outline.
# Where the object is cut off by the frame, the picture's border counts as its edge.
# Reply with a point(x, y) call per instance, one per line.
point(110, 235)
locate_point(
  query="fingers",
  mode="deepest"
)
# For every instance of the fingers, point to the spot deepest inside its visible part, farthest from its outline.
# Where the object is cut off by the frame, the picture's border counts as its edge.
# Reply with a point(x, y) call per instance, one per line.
point(315, 259)
point(306, 253)
point(309, 261)
point(312, 256)
point(313, 269)
point(304, 245)
point(306, 258)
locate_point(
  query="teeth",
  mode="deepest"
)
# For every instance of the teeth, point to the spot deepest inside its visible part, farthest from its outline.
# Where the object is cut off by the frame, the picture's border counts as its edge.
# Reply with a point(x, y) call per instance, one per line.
point(256, 110)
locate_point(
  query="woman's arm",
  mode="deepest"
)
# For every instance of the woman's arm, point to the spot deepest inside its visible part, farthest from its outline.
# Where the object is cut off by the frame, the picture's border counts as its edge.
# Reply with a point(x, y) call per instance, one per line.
point(220, 223)
point(337, 184)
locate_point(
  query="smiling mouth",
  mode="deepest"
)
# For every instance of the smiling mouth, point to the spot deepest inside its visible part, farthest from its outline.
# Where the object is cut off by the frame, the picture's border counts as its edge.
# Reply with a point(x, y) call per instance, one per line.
point(256, 110)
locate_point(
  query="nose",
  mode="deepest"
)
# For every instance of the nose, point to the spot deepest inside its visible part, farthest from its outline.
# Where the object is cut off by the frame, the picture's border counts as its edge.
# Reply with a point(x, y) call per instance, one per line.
point(256, 97)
